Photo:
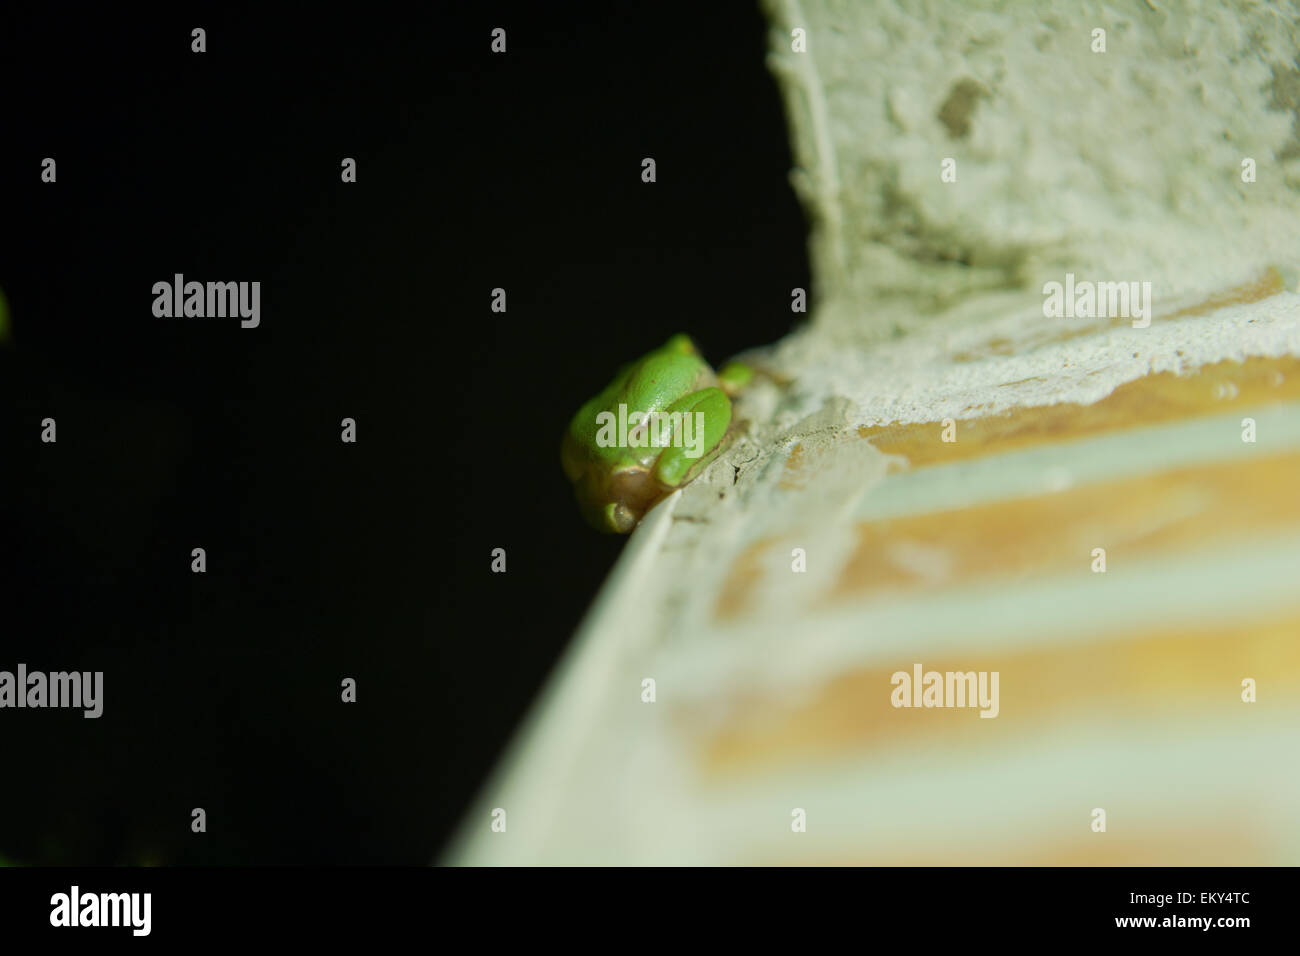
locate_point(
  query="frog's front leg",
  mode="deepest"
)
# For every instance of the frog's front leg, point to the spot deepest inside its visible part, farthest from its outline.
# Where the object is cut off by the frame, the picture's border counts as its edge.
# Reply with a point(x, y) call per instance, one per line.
point(710, 415)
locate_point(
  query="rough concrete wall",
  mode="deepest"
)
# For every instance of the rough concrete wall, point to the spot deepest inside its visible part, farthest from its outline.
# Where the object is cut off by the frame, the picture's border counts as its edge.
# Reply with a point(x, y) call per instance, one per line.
point(1122, 164)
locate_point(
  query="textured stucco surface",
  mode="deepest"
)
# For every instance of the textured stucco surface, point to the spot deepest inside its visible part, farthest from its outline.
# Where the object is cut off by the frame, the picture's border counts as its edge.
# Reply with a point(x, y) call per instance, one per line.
point(1117, 165)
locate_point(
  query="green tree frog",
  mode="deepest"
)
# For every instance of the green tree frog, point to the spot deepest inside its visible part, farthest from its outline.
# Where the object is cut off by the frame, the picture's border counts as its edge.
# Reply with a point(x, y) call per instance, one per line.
point(653, 429)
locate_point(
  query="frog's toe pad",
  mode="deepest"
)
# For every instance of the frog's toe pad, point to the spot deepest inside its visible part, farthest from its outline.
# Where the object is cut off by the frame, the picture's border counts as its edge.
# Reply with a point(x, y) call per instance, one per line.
point(621, 518)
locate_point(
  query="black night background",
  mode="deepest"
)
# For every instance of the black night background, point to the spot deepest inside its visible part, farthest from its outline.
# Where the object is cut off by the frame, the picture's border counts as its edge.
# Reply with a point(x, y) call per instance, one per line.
point(328, 560)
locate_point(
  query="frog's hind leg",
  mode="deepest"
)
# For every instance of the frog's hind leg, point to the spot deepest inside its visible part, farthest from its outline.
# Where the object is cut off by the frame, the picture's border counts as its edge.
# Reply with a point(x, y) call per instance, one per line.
point(697, 440)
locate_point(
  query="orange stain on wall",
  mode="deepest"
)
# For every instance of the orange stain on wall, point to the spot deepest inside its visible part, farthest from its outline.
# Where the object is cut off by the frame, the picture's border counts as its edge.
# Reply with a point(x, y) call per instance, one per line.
point(1128, 677)
point(1154, 400)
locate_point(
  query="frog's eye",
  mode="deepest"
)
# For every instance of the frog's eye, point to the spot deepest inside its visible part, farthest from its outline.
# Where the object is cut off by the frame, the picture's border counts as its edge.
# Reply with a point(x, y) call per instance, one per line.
point(681, 343)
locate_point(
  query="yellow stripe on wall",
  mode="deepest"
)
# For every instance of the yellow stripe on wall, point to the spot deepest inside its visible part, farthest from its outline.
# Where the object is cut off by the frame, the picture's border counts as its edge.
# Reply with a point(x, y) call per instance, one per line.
point(1131, 518)
point(1152, 400)
point(1124, 678)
